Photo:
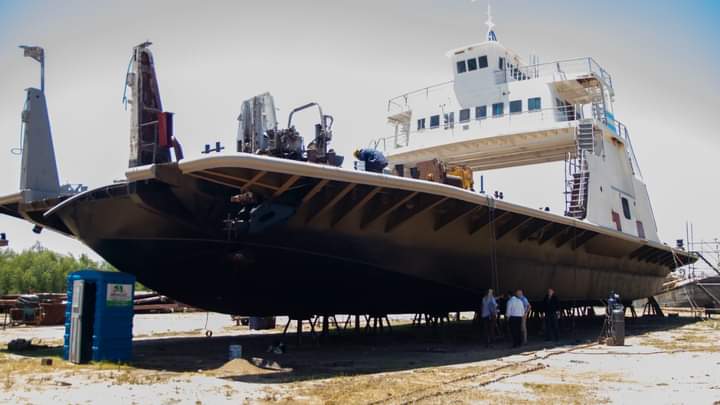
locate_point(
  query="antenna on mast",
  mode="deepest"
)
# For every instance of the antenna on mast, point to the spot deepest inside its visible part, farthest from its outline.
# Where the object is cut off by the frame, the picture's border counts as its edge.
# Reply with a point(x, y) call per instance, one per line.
point(490, 33)
point(38, 54)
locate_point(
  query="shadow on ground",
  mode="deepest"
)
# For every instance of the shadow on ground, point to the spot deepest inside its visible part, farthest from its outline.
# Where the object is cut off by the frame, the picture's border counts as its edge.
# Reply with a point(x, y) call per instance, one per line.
point(346, 353)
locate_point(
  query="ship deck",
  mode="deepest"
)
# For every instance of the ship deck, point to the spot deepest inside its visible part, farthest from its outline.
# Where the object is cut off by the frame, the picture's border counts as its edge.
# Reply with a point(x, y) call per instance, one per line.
point(276, 176)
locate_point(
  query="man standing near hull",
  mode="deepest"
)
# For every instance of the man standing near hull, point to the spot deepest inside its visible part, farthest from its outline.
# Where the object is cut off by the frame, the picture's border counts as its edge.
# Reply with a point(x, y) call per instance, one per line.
point(514, 313)
point(552, 306)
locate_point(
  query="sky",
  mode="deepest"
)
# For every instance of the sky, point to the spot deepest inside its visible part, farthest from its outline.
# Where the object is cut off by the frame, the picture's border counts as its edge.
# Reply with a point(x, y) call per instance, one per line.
point(352, 57)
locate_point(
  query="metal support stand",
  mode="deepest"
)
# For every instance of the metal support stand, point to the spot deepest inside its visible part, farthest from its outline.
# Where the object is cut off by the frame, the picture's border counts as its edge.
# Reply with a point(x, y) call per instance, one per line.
point(325, 324)
point(651, 308)
point(375, 323)
point(299, 321)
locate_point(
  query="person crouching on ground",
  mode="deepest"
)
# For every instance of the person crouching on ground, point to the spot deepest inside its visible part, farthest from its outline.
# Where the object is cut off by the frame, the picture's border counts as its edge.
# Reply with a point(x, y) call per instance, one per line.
point(489, 317)
point(528, 307)
point(552, 306)
point(514, 313)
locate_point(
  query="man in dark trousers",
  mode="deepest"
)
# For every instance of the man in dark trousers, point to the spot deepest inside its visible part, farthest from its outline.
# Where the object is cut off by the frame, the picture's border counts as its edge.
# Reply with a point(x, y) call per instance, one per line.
point(552, 307)
point(515, 312)
point(374, 159)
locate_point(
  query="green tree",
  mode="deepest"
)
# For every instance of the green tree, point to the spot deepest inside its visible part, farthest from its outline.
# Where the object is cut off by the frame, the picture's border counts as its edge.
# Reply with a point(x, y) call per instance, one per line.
point(40, 270)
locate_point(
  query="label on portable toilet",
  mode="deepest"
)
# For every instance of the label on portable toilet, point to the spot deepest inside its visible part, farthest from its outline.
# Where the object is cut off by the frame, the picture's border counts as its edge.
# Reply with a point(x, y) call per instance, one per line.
point(119, 295)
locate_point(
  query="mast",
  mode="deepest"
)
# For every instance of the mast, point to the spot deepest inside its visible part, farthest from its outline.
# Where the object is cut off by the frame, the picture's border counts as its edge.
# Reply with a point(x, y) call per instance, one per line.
point(39, 177)
point(151, 127)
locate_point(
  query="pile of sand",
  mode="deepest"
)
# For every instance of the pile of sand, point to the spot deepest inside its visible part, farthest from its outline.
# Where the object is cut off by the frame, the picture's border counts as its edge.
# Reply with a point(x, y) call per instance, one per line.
point(254, 366)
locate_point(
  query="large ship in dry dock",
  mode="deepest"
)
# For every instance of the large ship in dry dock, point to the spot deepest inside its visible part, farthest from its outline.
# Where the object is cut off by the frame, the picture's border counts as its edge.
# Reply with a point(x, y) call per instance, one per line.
point(281, 228)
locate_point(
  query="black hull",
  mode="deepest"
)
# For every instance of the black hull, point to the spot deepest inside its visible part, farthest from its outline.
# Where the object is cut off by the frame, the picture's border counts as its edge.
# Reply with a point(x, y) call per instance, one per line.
point(342, 247)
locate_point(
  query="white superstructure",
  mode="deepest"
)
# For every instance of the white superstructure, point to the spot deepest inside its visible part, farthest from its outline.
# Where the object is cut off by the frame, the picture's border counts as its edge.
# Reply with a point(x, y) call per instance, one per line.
point(500, 112)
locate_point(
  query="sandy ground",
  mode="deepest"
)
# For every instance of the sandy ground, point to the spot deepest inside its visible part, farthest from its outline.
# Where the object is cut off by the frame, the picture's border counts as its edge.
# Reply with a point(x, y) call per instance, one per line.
point(664, 361)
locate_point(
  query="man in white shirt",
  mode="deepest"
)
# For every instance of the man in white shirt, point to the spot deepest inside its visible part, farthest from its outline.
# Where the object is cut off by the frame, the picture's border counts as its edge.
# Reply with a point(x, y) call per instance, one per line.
point(514, 313)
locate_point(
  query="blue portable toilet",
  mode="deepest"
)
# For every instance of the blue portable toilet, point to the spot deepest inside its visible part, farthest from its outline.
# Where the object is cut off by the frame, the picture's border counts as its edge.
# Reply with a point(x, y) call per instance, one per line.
point(99, 316)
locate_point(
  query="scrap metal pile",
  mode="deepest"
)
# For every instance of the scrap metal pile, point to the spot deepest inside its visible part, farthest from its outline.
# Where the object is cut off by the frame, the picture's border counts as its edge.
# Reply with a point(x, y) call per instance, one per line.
point(46, 309)
point(33, 309)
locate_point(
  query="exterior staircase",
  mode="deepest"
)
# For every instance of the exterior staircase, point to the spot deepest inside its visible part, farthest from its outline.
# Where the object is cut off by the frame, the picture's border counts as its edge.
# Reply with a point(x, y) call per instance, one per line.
point(577, 176)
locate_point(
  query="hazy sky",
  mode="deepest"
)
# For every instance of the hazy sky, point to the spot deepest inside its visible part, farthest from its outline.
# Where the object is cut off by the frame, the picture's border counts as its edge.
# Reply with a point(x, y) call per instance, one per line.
point(351, 57)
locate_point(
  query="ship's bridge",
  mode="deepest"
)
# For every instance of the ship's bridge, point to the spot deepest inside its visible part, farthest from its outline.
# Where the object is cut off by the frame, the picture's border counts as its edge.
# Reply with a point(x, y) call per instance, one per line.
point(498, 112)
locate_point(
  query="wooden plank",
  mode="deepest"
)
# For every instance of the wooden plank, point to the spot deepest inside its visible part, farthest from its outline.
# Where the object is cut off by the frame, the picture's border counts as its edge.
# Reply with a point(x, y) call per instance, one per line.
point(332, 202)
point(206, 177)
point(455, 214)
point(316, 189)
point(254, 180)
point(583, 239)
point(532, 227)
point(372, 215)
point(342, 212)
point(570, 234)
point(511, 224)
point(286, 186)
point(238, 178)
point(474, 226)
point(551, 232)
point(400, 217)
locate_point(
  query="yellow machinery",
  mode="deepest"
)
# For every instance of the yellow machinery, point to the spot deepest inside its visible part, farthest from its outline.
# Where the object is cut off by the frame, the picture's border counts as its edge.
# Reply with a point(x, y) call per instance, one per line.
point(439, 171)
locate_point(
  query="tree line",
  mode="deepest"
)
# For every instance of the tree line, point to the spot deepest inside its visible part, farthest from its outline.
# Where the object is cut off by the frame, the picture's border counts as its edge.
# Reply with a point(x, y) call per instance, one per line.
point(41, 270)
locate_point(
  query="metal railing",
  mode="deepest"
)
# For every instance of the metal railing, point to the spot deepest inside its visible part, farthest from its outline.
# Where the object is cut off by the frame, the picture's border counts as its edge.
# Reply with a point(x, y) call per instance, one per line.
point(564, 113)
point(623, 133)
point(561, 69)
point(401, 101)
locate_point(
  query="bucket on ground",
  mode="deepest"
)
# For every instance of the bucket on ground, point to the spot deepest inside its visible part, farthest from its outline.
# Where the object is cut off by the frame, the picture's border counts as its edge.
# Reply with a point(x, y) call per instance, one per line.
point(235, 352)
point(99, 316)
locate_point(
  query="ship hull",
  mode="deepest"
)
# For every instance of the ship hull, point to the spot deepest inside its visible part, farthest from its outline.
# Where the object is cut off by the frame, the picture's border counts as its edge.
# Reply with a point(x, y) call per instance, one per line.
point(703, 293)
point(326, 240)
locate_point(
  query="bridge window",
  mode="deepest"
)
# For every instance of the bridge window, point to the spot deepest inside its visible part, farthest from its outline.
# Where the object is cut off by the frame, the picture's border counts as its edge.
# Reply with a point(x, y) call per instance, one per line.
point(534, 104)
point(498, 109)
point(481, 112)
point(501, 63)
point(515, 106)
point(434, 121)
point(626, 207)
point(465, 115)
point(482, 62)
point(461, 68)
point(472, 64)
point(421, 124)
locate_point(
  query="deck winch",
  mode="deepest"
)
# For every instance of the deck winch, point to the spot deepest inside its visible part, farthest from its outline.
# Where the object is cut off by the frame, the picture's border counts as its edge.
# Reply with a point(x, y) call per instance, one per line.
point(258, 133)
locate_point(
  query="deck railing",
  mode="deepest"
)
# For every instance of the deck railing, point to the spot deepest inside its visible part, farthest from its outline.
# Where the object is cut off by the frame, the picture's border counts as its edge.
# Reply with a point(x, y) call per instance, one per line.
point(559, 70)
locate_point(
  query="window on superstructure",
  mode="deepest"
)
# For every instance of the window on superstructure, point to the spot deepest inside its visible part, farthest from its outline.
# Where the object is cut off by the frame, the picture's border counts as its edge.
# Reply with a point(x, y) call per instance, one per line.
point(625, 207)
point(482, 62)
point(461, 68)
point(472, 64)
point(434, 121)
point(498, 109)
point(534, 104)
point(515, 106)
point(481, 112)
point(421, 124)
point(501, 63)
point(449, 120)
point(465, 115)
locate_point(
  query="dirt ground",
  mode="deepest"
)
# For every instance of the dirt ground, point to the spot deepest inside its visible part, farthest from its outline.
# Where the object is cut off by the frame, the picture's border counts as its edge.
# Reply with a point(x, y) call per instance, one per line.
point(668, 360)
